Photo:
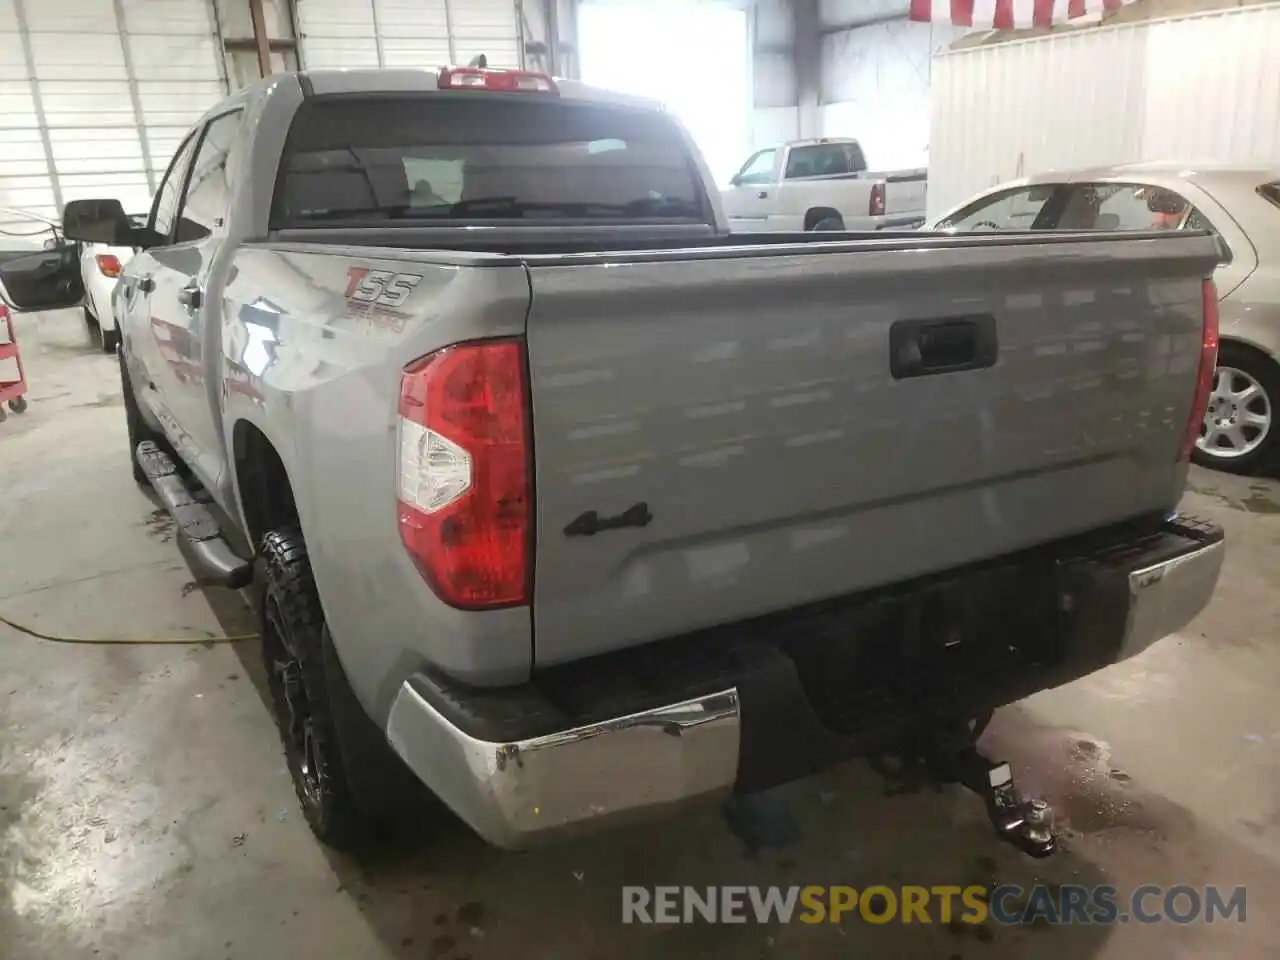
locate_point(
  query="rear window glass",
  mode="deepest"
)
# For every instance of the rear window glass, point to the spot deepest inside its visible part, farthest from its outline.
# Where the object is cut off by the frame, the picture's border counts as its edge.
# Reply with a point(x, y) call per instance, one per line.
point(476, 157)
point(824, 160)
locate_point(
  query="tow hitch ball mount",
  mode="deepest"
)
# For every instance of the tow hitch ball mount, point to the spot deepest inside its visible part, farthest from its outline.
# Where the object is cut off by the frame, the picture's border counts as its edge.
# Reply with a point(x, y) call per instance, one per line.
point(1025, 822)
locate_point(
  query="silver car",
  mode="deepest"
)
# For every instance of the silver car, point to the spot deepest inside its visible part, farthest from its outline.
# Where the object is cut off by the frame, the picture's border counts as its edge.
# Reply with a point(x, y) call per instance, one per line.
point(1241, 207)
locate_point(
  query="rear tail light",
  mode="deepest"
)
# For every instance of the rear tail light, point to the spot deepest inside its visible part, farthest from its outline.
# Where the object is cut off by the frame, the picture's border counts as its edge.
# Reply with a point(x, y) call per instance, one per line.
point(507, 81)
point(877, 200)
point(1205, 374)
point(108, 264)
point(465, 500)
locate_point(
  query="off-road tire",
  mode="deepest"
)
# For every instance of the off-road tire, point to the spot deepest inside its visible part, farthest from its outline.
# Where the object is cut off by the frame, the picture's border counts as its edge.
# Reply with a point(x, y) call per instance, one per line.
point(349, 782)
point(293, 627)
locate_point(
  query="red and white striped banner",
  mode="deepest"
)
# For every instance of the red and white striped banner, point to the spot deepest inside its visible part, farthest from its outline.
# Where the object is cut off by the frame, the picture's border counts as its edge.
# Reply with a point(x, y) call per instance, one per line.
point(1007, 14)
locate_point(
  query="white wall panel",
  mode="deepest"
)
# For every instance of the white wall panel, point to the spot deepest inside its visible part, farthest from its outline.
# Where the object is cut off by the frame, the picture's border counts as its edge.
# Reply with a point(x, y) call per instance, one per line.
point(773, 79)
point(1200, 88)
point(774, 24)
point(488, 27)
point(95, 101)
point(407, 33)
point(177, 67)
point(415, 34)
point(337, 33)
point(875, 85)
point(771, 125)
point(835, 13)
point(25, 183)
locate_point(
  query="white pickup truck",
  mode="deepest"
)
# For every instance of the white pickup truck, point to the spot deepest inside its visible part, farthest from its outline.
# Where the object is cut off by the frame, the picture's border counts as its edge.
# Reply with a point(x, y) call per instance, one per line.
point(821, 185)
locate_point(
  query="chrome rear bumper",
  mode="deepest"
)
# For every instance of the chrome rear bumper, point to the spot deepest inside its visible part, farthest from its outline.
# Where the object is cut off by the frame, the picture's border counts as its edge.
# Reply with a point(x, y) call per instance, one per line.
point(513, 792)
point(1165, 597)
point(759, 727)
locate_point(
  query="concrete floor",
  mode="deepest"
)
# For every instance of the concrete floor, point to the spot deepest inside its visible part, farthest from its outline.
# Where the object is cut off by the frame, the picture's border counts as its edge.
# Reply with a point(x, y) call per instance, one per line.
point(145, 811)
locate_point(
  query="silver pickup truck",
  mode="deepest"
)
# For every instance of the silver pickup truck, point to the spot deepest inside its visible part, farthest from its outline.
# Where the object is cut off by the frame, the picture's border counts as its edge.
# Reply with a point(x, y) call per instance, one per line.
point(560, 497)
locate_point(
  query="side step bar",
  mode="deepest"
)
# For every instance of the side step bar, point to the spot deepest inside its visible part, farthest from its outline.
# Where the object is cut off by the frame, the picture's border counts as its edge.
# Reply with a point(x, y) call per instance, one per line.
point(199, 538)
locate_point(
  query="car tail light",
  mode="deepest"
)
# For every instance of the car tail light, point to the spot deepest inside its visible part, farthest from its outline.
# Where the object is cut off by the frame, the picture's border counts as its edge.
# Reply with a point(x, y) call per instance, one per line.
point(108, 264)
point(464, 470)
point(506, 81)
point(1205, 374)
point(877, 200)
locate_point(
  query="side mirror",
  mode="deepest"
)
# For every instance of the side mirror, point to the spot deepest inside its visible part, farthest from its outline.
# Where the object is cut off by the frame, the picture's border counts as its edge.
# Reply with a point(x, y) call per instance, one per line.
point(735, 180)
point(98, 221)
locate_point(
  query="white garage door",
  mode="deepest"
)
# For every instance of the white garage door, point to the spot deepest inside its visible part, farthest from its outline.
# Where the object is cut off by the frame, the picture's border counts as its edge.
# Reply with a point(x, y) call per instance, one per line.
point(95, 94)
point(407, 33)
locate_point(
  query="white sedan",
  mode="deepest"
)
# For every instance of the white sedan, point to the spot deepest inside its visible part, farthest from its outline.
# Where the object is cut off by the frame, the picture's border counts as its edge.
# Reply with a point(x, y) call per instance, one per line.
point(1241, 207)
point(100, 267)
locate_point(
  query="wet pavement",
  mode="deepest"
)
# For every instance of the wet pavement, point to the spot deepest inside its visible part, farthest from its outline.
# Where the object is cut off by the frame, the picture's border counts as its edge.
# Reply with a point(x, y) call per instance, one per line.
point(145, 811)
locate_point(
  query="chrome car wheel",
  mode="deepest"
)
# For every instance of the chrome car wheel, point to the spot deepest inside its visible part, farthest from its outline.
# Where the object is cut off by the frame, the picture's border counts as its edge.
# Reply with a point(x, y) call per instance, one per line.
point(1238, 418)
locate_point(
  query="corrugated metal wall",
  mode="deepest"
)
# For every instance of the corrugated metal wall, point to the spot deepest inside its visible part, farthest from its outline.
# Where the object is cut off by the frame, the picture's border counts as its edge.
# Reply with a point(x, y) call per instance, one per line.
point(408, 33)
point(95, 94)
point(876, 78)
point(1205, 87)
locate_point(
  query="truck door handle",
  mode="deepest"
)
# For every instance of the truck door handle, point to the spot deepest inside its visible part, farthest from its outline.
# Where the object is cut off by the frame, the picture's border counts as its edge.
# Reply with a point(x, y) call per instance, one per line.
point(762, 195)
point(190, 297)
point(922, 348)
point(145, 283)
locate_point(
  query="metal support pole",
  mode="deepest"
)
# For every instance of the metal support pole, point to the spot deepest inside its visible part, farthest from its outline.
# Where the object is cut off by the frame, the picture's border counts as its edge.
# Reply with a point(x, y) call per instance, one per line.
point(448, 29)
point(300, 60)
point(807, 59)
point(134, 98)
point(37, 102)
point(517, 8)
point(260, 37)
point(215, 27)
point(377, 33)
point(573, 70)
point(551, 9)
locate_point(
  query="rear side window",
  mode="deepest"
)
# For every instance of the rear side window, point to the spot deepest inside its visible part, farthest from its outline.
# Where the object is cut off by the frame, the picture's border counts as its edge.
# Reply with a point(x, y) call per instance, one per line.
point(1015, 209)
point(759, 169)
point(170, 192)
point(824, 160)
point(360, 160)
point(1120, 206)
point(205, 202)
point(1077, 206)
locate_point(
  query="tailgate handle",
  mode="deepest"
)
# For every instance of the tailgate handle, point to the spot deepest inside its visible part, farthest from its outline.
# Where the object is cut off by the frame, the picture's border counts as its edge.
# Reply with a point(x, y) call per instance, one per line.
point(922, 348)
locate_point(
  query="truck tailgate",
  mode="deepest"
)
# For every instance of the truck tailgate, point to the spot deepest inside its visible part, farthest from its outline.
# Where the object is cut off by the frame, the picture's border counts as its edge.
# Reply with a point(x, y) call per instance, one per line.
point(905, 191)
point(724, 433)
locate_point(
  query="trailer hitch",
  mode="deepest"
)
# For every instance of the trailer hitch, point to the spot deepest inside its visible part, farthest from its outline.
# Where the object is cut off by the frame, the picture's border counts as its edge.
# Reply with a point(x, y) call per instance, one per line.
point(945, 755)
point(1025, 822)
